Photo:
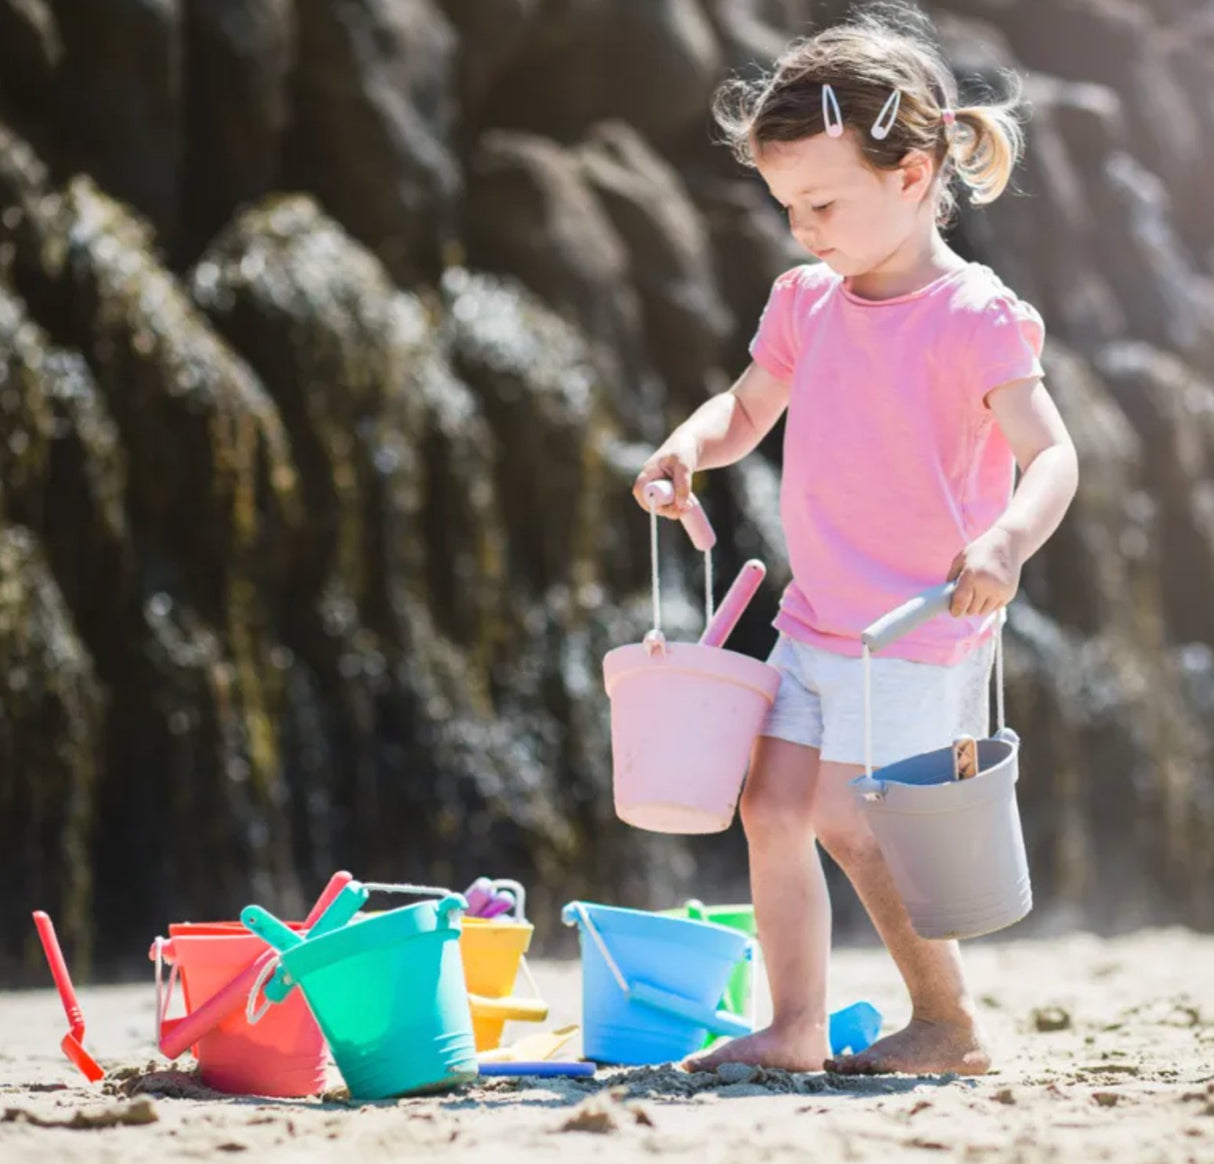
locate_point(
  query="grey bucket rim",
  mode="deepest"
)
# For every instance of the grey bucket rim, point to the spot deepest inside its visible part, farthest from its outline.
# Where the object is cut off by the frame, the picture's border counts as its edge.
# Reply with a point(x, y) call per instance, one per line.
point(903, 796)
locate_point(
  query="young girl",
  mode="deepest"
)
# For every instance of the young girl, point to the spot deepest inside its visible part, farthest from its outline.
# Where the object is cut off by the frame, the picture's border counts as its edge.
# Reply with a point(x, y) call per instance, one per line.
point(913, 387)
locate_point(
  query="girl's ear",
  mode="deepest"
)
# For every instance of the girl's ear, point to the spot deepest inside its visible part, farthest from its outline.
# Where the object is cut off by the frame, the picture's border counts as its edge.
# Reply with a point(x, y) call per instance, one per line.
point(916, 175)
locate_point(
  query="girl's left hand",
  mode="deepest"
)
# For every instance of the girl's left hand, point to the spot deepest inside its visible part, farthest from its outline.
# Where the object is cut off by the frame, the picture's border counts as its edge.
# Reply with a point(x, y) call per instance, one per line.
point(987, 573)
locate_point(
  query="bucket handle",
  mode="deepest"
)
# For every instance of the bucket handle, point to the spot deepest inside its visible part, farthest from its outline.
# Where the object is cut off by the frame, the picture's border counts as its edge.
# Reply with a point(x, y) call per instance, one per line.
point(252, 1013)
point(699, 529)
point(340, 911)
point(519, 909)
point(869, 788)
point(891, 627)
point(162, 948)
point(719, 1022)
point(452, 902)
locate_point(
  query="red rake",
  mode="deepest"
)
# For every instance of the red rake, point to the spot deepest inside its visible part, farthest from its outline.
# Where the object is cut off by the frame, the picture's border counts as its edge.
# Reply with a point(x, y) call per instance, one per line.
point(72, 1044)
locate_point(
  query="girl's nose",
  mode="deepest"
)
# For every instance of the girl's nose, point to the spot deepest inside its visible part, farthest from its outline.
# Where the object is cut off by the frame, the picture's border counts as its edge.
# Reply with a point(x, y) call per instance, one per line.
point(800, 231)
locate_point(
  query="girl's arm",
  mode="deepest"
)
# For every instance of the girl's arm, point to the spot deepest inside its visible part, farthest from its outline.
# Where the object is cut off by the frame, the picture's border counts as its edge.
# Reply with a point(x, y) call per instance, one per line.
point(988, 569)
point(721, 431)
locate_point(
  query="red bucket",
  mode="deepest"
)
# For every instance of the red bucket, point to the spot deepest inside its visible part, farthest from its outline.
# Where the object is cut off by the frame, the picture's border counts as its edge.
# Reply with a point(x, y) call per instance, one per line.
point(283, 1055)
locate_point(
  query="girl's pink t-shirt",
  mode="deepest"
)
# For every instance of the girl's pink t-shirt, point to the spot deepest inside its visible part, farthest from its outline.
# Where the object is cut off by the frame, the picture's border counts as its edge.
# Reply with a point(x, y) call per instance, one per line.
point(893, 461)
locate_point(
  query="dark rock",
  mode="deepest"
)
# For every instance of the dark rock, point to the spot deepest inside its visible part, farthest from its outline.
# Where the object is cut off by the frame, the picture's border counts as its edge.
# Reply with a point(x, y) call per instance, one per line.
point(239, 56)
point(752, 33)
point(491, 34)
point(1167, 301)
point(752, 245)
point(540, 394)
point(1041, 235)
point(328, 568)
point(121, 101)
point(1105, 559)
point(50, 744)
point(1161, 68)
point(531, 214)
point(63, 474)
point(31, 51)
point(1171, 408)
point(162, 369)
point(670, 259)
point(32, 241)
point(436, 602)
point(652, 63)
point(374, 110)
point(210, 490)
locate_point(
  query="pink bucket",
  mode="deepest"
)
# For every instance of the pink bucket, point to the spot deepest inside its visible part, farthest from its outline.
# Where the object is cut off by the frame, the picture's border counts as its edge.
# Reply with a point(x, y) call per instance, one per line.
point(684, 718)
point(284, 1055)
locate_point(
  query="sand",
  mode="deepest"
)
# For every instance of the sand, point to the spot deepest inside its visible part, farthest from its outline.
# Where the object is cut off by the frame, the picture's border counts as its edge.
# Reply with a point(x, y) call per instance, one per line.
point(1106, 1052)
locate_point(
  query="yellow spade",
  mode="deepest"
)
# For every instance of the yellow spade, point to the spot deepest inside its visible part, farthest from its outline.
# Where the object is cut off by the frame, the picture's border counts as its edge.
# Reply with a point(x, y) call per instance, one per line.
point(492, 952)
point(531, 1048)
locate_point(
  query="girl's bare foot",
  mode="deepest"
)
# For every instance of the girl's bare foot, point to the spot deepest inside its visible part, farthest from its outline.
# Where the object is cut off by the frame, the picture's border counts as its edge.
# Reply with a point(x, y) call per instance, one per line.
point(922, 1048)
point(790, 1049)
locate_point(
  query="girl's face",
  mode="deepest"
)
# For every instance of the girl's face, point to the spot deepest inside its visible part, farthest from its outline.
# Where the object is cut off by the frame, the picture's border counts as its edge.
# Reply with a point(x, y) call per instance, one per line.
point(840, 209)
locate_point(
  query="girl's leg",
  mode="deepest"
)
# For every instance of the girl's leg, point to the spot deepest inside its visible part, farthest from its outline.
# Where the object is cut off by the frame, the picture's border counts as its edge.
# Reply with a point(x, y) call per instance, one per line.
point(792, 910)
point(943, 1034)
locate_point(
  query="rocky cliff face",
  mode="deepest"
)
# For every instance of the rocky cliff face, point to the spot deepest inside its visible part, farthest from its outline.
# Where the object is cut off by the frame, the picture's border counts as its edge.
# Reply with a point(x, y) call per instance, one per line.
point(331, 335)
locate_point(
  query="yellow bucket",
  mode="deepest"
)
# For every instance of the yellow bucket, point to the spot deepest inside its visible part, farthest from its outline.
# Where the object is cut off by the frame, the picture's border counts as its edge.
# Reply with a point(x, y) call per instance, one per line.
point(492, 953)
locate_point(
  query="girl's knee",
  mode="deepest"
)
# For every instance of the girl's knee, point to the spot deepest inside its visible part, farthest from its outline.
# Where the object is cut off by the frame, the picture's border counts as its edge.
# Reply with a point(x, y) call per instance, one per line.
point(838, 819)
point(768, 813)
point(778, 795)
point(847, 838)
point(843, 831)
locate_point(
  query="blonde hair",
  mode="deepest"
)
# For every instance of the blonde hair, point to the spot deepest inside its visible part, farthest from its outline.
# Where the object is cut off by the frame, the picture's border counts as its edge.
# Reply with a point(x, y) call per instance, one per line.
point(888, 46)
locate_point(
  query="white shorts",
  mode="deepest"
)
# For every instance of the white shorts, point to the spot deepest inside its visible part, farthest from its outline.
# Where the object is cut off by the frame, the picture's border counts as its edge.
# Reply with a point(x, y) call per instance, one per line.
point(916, 707)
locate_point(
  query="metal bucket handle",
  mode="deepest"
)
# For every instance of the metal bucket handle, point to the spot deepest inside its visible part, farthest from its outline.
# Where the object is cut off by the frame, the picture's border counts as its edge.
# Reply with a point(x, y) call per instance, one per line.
point(888, 629)
point(270, 929)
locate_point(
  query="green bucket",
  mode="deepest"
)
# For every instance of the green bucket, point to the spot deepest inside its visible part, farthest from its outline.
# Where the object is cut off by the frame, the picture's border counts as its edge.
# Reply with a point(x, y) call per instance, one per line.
point(736, 999)
point(388, 992)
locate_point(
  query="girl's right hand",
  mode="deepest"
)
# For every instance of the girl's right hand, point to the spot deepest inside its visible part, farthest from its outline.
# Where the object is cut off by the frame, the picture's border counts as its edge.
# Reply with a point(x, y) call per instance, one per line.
point(674, 464)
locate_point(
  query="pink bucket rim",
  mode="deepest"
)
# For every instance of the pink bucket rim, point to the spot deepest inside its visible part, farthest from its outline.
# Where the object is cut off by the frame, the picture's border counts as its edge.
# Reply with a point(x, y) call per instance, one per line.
point(694, 659)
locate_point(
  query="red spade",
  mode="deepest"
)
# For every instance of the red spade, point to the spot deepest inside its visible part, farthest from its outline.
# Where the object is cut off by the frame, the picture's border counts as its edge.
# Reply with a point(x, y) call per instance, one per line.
point(72, 1044)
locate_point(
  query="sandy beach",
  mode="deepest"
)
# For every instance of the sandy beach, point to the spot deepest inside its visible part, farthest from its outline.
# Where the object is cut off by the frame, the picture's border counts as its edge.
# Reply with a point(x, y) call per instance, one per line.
point(1105, 1052)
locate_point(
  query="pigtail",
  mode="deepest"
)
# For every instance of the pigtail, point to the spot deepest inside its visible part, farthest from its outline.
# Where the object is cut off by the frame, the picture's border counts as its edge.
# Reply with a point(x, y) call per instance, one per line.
point(987, 144)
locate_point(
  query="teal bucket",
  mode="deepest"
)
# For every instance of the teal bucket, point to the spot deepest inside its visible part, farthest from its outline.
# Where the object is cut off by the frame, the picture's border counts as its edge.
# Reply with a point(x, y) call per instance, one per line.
point(651, 984)
point(388, 992)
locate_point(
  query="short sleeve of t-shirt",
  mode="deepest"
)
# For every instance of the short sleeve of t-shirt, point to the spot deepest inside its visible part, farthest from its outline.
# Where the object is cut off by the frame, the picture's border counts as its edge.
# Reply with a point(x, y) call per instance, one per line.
point(777, 340)
point(1006, 344)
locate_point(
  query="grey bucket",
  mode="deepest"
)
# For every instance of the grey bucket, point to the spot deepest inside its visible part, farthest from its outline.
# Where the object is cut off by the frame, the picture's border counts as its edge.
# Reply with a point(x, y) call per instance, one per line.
point(954, 848)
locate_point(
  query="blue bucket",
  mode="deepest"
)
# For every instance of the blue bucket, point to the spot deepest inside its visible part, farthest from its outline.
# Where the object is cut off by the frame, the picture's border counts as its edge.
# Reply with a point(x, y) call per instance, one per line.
point(651, 985)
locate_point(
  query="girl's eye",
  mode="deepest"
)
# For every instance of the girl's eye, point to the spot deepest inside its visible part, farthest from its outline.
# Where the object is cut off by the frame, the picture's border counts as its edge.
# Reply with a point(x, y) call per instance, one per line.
point(824, 206)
